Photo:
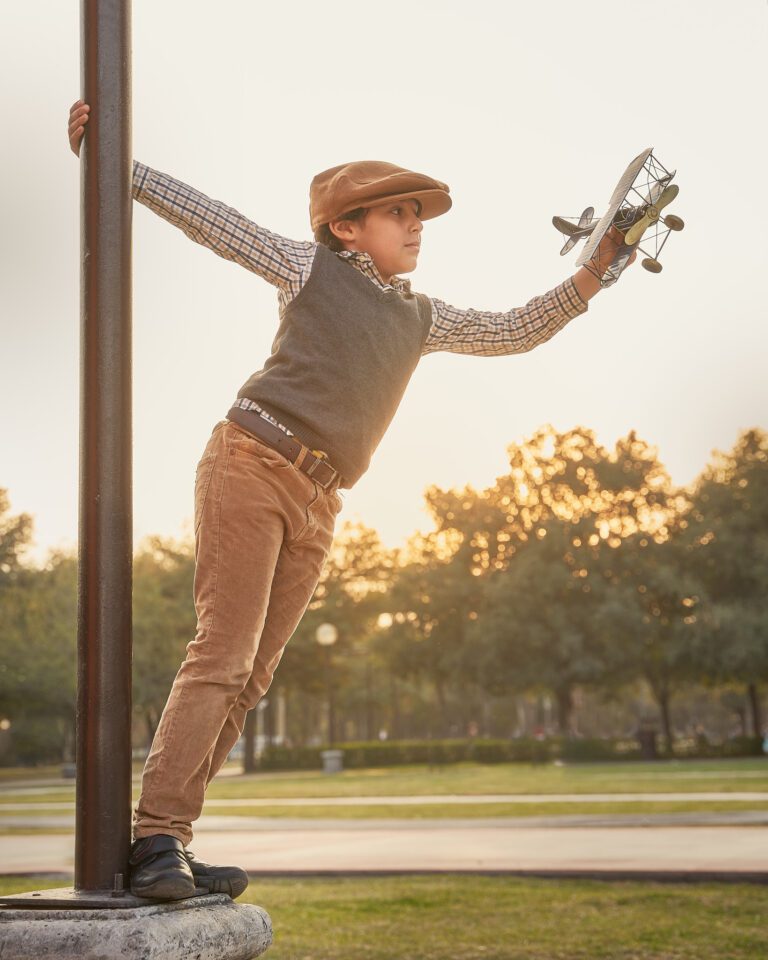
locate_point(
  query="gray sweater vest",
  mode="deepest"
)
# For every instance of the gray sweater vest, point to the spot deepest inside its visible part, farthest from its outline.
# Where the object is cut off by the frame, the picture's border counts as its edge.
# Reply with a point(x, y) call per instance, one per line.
point(341, 360)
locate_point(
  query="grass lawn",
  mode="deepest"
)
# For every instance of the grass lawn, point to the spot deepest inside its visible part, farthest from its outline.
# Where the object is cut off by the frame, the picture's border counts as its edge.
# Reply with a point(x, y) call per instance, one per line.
point(54, 795)
point(424, 811)
point(501, 918)
point(473, 778)
point(9, 774)
point(456, 811)
point(750, 773)
point(465, 779)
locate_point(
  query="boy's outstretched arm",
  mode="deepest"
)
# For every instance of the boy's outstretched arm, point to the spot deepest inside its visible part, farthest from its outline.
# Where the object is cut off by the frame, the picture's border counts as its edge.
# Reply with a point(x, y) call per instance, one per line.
point(282, 262)
point(495, 333)
point(490, 333)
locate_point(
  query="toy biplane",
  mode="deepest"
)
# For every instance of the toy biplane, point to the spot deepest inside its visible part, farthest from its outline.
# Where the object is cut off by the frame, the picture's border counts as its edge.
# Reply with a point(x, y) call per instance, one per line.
point(635, 209)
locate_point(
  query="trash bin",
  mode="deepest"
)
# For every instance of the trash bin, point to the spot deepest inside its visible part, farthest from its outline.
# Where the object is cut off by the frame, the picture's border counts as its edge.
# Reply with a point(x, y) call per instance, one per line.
point(646, 737)
point(333, 761)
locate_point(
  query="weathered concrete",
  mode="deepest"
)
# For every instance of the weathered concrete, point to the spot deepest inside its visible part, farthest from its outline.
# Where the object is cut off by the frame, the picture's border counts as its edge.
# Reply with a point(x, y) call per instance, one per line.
point(206, 928)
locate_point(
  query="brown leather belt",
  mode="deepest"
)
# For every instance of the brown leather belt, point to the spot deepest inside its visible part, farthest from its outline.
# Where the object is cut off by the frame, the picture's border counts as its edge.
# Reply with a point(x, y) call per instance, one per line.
point(302, 457)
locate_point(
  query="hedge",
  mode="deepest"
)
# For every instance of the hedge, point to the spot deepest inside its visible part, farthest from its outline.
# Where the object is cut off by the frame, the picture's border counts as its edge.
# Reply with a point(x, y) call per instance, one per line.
point(388, 753)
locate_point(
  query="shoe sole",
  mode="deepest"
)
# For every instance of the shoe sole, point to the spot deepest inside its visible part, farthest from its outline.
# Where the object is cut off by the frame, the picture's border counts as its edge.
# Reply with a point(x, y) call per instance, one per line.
point(165, 889)
point(218, 885)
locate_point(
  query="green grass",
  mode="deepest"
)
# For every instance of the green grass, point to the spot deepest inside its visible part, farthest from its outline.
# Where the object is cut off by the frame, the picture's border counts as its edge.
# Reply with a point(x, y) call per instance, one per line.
point(469, 778)
point(9, 774)
point(465, 779)
point(425, 811)
point(56, 795)
point(25, 831)
point(455, 811)
point(501, 918)
point(459, 811)
point(22, 884)
point(473, 778)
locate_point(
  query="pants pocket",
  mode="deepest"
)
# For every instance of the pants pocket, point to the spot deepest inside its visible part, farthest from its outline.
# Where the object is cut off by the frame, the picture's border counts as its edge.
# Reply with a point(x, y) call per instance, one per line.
point(310, 524)
point(202, 483)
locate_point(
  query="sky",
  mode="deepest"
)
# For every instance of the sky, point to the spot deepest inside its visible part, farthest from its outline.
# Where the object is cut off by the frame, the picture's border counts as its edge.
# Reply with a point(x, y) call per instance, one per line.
point(525, 110)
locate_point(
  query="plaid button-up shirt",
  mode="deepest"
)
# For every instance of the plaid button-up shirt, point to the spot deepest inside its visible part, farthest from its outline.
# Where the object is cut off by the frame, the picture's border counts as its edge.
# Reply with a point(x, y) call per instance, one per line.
point(287, 264)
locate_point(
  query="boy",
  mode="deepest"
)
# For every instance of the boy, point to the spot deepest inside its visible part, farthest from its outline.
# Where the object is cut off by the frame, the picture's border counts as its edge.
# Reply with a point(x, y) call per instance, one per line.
point(351, 333)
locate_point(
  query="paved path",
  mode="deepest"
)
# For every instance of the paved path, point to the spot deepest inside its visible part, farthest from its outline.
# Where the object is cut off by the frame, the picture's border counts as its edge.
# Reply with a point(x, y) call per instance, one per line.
point(743, 796)
point(698, 842)
point(406, 845)
point(213, 823)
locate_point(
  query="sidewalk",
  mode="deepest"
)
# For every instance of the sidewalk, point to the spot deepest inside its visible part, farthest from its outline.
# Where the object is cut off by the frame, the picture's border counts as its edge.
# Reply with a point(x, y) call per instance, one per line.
point(724, 844)
point(494, 845)
point(743, 796)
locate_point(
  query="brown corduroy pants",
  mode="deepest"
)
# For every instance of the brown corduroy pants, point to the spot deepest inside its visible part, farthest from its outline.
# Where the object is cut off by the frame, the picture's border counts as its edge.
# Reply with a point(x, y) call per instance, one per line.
point(262, 532)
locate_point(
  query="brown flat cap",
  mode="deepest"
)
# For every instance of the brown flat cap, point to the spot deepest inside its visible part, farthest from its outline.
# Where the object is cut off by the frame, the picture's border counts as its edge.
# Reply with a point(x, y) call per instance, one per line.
point(369, 183)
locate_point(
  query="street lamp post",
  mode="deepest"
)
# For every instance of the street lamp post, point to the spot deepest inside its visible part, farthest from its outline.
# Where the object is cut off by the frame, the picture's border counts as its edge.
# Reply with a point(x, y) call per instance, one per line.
point(326, 635)
point(103, 796)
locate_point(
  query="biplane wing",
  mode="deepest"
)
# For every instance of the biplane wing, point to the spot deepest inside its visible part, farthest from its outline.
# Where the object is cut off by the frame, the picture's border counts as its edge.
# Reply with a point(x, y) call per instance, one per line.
point(617, 198)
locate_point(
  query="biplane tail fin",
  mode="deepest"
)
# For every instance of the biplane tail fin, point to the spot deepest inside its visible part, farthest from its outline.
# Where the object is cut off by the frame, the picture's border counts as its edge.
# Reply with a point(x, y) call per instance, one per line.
point(575, 232)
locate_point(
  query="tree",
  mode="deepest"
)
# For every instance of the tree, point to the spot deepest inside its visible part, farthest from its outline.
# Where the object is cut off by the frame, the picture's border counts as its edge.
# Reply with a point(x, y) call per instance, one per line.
point(538, 627)
point(429, 606)
point(351, 594)
point(15, 536)
point(657, 613)
point(552, 616)
point(38, 640)
point(164, 622)
point(38, 670)
point(727, 540)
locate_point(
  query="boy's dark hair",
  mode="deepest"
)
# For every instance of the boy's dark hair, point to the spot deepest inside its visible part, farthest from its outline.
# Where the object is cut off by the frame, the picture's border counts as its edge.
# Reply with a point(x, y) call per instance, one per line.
point(326, 236)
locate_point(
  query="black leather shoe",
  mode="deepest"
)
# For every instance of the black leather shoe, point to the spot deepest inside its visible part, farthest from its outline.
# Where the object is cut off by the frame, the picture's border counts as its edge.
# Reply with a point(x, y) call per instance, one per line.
point(230, 880)
point(159, 869)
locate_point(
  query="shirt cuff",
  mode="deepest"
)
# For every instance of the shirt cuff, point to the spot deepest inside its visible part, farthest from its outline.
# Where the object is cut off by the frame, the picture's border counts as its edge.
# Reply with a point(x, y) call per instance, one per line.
point(570, 299)
point(141, 175)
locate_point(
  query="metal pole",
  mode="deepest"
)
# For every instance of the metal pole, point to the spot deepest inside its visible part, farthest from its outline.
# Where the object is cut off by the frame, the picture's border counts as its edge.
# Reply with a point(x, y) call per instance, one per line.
point(103, 805)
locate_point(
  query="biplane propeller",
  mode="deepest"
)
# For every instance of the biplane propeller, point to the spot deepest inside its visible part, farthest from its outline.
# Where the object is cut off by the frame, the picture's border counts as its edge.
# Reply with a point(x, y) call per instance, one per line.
point(635, 208)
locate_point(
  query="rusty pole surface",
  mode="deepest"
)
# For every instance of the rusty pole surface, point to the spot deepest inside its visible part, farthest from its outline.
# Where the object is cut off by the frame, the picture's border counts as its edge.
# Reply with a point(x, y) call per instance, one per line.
point(103, 798)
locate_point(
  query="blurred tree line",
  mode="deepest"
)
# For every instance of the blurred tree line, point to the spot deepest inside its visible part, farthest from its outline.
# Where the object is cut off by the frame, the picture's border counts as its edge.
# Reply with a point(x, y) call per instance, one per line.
point(582, 592)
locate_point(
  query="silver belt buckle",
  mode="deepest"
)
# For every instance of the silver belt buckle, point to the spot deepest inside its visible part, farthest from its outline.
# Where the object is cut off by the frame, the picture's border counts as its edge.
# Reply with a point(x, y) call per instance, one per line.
point(311, 470)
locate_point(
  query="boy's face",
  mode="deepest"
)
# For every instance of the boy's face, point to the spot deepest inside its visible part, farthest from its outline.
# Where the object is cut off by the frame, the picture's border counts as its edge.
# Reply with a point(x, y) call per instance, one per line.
point(390, 233)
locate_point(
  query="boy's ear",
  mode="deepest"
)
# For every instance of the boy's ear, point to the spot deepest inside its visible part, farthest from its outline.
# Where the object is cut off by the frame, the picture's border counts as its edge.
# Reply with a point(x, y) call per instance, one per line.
point(343, 229)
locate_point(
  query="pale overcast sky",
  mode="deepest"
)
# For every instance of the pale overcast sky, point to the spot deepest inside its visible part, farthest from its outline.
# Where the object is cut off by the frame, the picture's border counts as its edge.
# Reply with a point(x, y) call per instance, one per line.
point(525, 110)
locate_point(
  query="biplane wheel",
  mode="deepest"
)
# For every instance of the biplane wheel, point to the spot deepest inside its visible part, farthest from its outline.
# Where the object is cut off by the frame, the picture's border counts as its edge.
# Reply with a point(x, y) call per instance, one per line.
point(653, 266)
point(673, 222)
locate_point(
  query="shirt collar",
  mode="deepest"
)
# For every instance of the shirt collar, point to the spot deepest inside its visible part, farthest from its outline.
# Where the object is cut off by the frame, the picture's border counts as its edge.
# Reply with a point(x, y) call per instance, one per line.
point(364, 263)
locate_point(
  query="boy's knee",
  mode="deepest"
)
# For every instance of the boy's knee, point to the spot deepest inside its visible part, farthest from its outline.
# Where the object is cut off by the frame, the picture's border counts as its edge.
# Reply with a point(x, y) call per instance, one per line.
point(229, 674)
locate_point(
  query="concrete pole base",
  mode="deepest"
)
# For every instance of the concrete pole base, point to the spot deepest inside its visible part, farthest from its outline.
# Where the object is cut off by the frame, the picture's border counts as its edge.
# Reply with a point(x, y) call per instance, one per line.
point(207, 928)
